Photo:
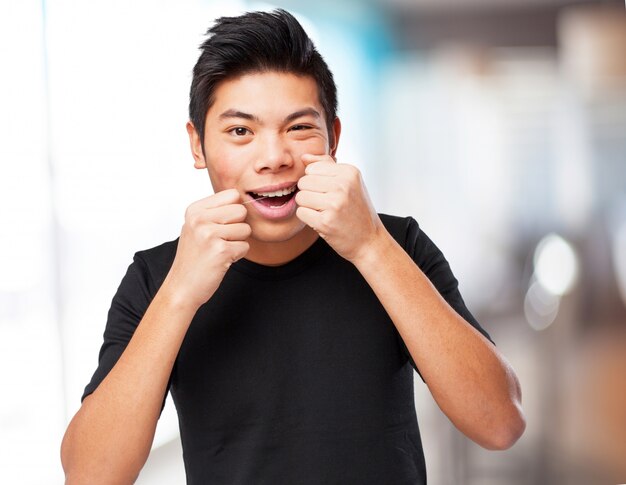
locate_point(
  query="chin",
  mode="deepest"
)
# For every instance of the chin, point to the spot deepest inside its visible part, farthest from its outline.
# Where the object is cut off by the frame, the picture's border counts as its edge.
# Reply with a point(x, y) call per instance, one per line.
point(268, 232)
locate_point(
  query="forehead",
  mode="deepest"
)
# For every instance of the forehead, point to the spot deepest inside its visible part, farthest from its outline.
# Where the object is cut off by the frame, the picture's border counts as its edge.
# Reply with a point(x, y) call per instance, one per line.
point(265, 94)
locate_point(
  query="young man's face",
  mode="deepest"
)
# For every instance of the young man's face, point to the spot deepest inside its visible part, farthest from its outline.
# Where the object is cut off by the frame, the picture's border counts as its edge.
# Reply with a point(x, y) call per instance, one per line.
point(255, 134)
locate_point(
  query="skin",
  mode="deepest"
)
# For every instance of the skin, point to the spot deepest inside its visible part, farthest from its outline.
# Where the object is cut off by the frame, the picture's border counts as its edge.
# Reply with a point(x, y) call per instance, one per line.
point(253, 139)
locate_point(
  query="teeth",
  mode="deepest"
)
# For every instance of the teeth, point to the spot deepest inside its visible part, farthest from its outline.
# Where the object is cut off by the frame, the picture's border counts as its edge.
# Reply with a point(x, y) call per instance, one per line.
point(276, 193)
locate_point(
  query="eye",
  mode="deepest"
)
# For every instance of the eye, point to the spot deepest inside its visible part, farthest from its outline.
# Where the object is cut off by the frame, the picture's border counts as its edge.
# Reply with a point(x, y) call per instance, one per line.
point(300, 127)
point(239, 131)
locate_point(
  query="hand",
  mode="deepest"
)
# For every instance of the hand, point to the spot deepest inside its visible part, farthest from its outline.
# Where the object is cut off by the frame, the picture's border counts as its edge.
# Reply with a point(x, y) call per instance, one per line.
point(333, 201)
point(212, 238)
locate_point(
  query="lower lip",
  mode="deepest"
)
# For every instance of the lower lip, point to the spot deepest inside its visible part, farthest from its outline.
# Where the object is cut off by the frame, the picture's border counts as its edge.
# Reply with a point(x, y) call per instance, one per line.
point(282, 212)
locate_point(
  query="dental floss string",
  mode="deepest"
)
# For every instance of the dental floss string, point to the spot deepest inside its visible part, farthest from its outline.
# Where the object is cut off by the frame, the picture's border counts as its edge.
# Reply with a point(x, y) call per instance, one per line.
point(250, 201)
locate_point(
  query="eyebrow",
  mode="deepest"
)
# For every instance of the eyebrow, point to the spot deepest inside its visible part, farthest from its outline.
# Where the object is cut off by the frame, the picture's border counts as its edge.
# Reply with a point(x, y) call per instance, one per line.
point(233, 113)
point(303, 112)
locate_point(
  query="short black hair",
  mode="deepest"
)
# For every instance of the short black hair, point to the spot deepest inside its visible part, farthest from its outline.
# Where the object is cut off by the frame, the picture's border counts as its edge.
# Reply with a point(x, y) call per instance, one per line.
point(257, 42)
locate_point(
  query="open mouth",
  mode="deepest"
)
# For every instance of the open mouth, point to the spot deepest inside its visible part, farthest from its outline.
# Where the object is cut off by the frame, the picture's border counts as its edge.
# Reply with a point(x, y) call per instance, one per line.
point(275, 199)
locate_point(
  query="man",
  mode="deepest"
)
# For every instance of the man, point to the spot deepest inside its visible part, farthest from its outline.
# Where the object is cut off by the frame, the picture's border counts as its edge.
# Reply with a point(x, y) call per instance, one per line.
point(288, 317)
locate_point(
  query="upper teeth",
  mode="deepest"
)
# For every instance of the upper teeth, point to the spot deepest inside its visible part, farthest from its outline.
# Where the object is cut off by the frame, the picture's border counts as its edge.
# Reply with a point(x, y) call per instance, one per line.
point(276, 193)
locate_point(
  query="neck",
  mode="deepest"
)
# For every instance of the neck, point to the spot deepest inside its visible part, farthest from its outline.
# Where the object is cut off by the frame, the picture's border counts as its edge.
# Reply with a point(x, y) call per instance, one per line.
point(281, 252)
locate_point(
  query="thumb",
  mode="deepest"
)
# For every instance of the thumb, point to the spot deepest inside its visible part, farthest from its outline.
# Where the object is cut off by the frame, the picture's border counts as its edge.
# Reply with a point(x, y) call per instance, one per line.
point(309, 158)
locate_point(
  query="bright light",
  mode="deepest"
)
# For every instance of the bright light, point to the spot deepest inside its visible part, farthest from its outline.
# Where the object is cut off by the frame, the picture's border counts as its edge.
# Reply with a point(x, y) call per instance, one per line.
point(619, 258)
point(540, 306)
point(556, 264)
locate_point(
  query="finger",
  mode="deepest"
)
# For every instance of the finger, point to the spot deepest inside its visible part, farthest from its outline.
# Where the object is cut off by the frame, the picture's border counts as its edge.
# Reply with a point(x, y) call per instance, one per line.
point(313, 200)
point(198, 216)
point(309, 158)
point(317, 183)
point(227, 214)
point(234, 232)
point(309, 216)
point(224, 197)
point(322, 167)
point(238, 249)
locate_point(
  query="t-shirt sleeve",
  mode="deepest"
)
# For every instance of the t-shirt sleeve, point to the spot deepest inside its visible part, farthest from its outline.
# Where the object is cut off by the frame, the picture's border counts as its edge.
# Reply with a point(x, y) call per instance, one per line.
point(434, 265)
point(127, 309)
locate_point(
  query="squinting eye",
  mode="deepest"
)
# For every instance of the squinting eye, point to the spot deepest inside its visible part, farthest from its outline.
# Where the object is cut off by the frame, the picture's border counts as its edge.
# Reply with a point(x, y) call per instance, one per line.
point(300, 127)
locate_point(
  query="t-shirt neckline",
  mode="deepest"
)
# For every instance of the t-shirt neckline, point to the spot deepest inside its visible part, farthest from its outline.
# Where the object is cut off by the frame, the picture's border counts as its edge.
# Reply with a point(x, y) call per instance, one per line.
point(290, 268)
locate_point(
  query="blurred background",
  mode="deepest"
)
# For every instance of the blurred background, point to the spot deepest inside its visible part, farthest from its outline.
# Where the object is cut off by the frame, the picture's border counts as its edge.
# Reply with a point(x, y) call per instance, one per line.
point(499, 125)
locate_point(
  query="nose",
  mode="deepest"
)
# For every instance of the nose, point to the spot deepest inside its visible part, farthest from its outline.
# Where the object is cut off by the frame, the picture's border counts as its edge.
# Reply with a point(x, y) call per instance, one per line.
point(273, 155)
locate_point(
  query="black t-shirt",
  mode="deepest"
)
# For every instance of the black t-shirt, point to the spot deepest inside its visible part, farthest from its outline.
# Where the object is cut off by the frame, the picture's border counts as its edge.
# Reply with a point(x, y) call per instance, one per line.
point(292, 374)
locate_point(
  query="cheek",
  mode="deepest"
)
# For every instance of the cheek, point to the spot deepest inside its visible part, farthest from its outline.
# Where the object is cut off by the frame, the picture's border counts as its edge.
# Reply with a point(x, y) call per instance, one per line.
point(225, 170)
point(314, 145)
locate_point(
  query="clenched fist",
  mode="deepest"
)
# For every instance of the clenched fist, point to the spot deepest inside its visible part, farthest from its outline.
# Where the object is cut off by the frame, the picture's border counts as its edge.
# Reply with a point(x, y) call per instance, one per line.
point(333, 201)
point(212, 238)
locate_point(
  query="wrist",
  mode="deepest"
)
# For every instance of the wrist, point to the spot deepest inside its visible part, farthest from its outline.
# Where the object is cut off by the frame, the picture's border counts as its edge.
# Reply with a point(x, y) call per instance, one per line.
point(372, 253)
point(175, 297)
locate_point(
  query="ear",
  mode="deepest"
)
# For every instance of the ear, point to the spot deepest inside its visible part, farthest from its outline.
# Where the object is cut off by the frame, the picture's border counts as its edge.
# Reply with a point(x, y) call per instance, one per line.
point(196, 146)
point(336, 135)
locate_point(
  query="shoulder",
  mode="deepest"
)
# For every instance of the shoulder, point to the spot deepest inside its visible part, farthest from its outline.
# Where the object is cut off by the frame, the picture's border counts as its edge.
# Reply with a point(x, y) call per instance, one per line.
point(408, 234)
point(156, 262)
point(403, 229)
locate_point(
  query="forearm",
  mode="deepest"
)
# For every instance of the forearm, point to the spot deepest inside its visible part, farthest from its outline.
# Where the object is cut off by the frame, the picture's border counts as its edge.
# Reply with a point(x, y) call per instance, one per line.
point(109, 439)
point(469, 379)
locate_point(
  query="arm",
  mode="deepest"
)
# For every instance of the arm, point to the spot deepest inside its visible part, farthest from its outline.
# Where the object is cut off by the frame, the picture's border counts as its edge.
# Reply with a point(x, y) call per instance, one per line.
point(109, 438)
point(468, 378)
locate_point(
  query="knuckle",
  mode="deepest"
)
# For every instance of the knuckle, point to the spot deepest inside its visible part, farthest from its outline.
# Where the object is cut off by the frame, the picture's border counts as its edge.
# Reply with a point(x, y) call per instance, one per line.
point(207, 232)
point(193, 220)
point(354, 175)
point(189, 212)
point(336, 204)
point(220, 247)
point(244, 248)
point(352, 170)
